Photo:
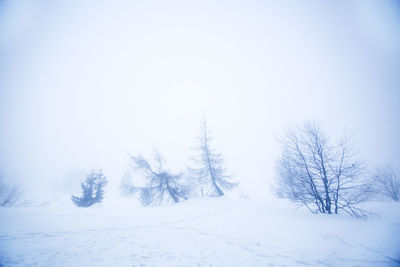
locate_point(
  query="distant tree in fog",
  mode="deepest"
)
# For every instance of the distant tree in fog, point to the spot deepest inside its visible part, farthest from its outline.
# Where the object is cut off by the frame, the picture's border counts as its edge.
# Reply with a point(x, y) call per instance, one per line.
point(387, 183)
point(209, 171)
point(324, 177)
point(10, 195)
point(163, 187)
point(92, 190)
point(126, 187)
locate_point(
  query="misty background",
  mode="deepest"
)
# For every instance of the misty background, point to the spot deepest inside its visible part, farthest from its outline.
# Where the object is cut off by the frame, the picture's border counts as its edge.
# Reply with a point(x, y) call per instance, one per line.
point(82, 84)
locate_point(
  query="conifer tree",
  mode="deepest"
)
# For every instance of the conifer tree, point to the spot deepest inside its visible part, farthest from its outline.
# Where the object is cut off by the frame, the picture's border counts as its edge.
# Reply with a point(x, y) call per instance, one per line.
point(163, 187)
point(209, 171)
point(92, 190)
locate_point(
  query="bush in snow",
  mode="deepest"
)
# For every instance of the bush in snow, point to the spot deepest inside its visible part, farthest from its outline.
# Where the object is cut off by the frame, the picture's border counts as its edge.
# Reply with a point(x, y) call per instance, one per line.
point(92, 190)
point(387, 183)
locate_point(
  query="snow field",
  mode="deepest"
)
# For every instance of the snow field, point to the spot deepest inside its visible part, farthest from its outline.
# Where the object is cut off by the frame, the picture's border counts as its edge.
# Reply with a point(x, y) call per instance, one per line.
point(198, 232)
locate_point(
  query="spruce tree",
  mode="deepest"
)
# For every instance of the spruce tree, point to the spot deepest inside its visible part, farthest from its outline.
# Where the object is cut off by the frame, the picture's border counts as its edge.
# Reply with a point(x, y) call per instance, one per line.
point(92, 190)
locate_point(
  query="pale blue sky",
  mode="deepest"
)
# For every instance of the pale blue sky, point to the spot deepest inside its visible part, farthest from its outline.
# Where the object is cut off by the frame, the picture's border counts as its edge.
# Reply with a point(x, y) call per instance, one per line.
point(84, 83)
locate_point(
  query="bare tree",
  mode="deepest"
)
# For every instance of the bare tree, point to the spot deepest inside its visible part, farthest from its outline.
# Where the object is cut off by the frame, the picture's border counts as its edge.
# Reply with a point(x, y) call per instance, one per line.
point(323, 177)
point(210, 173)
point(163, 187)
point(11, 195)
point(387, 182)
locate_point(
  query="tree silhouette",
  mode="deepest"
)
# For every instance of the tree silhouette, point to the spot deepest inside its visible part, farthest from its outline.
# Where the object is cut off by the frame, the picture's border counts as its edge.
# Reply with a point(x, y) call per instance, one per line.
point(209, 170)
point(92, 190)
point(163, 187)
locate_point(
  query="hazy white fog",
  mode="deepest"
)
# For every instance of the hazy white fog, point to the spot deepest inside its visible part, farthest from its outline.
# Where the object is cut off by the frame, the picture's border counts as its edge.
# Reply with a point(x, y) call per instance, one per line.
point(84, 83)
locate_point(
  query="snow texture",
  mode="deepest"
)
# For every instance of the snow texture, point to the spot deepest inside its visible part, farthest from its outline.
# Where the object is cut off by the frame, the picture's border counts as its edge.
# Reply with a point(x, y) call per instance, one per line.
point(197, 232)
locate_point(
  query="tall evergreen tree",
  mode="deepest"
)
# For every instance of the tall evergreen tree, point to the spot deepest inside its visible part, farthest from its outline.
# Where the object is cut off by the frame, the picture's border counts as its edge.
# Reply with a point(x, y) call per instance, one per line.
point(209, 170)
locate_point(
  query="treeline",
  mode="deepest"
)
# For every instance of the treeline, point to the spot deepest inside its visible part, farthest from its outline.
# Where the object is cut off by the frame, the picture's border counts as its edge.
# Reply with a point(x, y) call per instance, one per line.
point(313, 170)
point(207, 176)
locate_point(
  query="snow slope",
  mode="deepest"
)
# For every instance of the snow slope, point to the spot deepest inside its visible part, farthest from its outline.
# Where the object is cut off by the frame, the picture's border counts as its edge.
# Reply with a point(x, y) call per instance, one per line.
point(200, 232)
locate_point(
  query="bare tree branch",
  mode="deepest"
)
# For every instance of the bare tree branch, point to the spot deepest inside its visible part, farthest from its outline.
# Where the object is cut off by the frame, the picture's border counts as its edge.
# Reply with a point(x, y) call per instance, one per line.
point(323, 177)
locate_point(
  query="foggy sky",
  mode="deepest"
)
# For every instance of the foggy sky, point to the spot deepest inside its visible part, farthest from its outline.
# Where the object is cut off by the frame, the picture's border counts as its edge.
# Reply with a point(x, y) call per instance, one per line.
point(84, 83)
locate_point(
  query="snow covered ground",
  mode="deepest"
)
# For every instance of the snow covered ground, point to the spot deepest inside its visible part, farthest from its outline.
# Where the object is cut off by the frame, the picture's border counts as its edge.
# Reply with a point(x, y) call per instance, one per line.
point(200, 232)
